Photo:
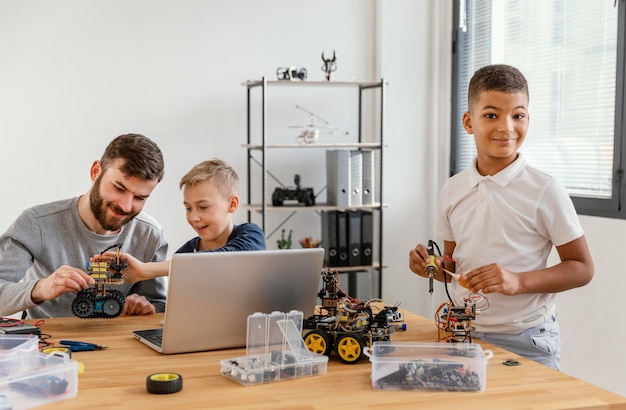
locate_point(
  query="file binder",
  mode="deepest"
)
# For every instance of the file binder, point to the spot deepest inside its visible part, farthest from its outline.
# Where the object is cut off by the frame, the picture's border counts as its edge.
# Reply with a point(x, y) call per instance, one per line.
point(342, 238)
point(344, 177)
point(329, 238)
point(367, 237)
point(354, 238)
point(368, 173)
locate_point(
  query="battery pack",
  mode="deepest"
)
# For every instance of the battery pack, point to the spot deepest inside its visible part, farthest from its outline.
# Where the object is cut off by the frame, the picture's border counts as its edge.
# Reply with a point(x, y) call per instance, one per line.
point(10, 327)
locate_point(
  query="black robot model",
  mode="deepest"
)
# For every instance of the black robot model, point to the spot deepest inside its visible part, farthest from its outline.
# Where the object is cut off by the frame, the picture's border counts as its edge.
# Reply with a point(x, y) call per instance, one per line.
point(302, 195)
point(98, 301)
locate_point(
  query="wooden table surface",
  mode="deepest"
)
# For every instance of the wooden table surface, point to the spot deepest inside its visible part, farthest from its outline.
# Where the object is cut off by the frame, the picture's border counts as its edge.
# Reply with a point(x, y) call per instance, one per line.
point(116, 377)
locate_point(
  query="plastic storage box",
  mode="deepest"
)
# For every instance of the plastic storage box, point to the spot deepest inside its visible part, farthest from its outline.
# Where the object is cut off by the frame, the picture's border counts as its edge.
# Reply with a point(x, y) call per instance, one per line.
point(33, 379)
point(275, 351)
point(17, 343)
point(428, 366)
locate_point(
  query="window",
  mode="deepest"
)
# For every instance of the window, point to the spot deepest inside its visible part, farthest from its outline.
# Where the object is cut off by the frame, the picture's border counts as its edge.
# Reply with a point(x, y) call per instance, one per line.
point(572, 54)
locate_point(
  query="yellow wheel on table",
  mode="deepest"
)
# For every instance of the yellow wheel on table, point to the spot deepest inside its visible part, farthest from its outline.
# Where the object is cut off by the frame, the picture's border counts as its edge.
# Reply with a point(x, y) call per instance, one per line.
point(164, 383)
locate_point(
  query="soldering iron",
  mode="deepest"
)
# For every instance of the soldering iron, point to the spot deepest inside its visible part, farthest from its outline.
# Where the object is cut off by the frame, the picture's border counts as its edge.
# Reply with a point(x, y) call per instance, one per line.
point(431, 267)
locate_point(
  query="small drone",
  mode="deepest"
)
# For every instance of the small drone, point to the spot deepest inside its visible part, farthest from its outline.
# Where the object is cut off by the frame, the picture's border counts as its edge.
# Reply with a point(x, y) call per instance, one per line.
point(316, 126)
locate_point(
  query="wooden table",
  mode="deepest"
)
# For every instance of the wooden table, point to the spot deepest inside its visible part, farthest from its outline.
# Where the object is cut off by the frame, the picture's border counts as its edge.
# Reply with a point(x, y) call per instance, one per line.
point(116, 377)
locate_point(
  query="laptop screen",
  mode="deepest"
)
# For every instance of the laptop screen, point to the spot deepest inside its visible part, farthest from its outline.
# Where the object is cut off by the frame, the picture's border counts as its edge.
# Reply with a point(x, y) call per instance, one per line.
point(211, 294)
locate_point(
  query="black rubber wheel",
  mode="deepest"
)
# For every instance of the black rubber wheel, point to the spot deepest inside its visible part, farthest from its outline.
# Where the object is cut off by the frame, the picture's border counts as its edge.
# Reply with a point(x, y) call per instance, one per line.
point(111, 307)
point(309, 198)
point(83, 305)
point(113, 304)
point(164, 383)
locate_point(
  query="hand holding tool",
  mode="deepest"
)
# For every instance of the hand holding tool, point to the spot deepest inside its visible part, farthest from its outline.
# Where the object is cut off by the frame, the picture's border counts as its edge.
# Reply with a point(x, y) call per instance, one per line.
point(431, 267)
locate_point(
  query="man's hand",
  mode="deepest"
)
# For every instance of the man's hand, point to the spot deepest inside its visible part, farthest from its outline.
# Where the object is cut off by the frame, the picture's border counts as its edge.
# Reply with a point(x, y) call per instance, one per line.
point(65, 279)
point(137, 305)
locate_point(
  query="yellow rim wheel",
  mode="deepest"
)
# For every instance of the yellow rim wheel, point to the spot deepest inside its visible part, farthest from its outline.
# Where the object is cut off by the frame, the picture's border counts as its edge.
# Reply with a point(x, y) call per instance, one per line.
point(164, 383)
point(318, 341)
point(350, 348)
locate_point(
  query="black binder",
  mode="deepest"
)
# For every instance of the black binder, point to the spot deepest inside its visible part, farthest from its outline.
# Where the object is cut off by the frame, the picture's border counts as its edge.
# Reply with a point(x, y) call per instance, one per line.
point(367, 237)
point(354, 238)
point(342, 238)
point(329, 238)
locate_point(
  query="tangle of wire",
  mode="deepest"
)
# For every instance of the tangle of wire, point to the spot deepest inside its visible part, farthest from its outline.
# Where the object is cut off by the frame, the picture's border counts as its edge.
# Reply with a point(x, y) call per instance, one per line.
point(475, 298)
point(352, 309)
point(446, 325)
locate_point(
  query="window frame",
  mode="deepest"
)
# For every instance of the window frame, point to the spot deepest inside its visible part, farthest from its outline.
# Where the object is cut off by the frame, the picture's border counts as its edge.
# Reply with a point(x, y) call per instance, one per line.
point(614, 207)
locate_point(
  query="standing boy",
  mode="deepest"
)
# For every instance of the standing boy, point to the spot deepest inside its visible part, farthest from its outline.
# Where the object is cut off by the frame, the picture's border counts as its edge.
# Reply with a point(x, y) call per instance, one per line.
point(42, 252)
point(499, 220)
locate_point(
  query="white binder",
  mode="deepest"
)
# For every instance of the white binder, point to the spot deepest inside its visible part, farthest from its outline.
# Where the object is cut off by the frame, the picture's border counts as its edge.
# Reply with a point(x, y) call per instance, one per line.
point(368, 193)
point(344, 177)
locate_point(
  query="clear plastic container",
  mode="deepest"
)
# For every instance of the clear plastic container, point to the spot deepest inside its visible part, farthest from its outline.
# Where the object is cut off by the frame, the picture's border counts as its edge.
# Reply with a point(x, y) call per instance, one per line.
point(428, 366)
point(18, 343)
point(275, 351)
point(35, 379)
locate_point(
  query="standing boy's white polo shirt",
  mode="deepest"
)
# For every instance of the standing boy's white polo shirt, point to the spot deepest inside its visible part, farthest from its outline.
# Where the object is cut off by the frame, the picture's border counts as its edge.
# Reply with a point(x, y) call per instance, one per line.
point(511, 218)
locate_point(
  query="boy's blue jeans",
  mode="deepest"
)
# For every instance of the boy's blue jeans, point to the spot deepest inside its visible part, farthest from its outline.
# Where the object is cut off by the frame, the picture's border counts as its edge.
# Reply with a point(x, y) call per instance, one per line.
point(540, 343)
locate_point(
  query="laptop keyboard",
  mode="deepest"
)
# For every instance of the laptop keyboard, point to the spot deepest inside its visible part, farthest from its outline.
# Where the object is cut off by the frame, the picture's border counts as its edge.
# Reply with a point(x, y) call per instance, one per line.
point(156, 339)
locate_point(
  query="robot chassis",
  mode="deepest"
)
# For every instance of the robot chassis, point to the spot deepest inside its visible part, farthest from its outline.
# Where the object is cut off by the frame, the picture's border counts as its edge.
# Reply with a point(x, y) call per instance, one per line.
point(98, 301)
point(345, 324)
point(454, 322)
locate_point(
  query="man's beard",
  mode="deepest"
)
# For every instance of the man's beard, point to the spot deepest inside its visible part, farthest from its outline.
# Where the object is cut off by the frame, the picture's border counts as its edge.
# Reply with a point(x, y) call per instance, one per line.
point(99, 209)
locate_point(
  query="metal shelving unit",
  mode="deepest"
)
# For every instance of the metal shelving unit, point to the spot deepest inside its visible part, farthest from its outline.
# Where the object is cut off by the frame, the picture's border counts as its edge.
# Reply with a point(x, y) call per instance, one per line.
point(263, 206)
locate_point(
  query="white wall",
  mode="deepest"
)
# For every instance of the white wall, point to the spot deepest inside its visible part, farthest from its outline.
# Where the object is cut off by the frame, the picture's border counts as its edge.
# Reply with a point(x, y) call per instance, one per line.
point(75, 74)
point(592, 335)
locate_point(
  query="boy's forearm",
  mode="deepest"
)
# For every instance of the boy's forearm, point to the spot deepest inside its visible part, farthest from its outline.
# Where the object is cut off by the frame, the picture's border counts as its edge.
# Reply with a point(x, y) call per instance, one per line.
point(156, 269)
point(575, 270)
point(558, 278)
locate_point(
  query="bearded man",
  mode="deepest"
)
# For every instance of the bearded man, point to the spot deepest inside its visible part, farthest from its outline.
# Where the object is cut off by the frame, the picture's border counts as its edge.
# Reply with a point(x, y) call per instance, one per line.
point(43, 251)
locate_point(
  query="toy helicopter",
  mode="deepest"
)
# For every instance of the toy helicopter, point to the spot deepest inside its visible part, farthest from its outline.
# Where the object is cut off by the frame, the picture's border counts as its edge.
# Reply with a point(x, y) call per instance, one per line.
point(316, 126)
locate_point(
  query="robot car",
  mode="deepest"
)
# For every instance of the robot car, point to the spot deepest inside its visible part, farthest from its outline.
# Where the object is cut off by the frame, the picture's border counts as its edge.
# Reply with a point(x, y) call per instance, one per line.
point(346, 325)
point(98, 301)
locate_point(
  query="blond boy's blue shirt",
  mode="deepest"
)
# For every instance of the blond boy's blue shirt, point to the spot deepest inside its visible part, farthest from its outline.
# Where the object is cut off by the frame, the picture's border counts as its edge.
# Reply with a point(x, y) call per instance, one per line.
point(244, 237)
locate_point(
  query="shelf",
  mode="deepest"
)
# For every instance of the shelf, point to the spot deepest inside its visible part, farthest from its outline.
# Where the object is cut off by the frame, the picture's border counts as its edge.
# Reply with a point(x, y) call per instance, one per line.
point(368, 145)
point(319, 207)
point(359, 84)
point(346, 269)
point(369, 100)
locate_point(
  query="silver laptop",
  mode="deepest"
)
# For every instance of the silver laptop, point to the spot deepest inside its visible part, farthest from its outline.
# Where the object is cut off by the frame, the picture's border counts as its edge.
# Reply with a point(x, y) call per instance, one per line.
point(211, 294)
